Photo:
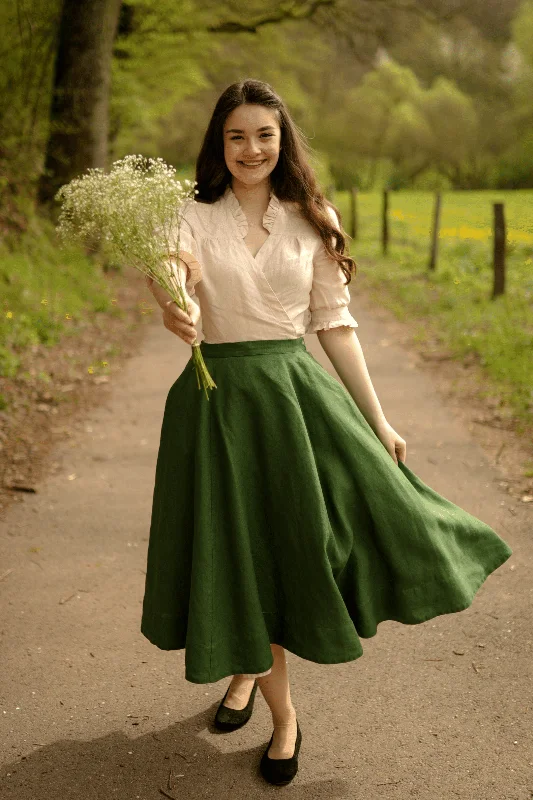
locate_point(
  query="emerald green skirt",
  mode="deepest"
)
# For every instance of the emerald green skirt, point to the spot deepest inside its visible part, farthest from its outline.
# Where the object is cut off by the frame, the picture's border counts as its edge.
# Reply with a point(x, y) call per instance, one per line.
point(278, 516)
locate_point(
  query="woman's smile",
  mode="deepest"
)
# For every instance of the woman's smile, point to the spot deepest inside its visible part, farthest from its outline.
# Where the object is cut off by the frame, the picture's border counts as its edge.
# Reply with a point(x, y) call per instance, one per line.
point(252, 164)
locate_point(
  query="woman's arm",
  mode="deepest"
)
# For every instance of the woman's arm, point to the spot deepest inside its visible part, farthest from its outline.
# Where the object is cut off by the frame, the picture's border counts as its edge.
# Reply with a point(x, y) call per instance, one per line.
point(343, 349)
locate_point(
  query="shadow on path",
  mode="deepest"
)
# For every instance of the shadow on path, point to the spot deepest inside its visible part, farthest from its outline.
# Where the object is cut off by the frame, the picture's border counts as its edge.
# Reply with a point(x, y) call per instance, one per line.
point(117, 765)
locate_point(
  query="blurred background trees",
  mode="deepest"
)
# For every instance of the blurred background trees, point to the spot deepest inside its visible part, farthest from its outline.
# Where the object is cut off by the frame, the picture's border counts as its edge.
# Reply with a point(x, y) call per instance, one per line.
point(403, 93)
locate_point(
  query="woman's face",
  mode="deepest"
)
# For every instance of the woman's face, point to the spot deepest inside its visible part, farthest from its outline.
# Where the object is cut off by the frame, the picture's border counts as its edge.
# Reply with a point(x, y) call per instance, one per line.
point(252, 138)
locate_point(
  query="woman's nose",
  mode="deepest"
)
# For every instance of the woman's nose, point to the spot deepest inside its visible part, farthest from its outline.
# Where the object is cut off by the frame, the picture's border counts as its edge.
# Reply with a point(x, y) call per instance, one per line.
point(252, 147)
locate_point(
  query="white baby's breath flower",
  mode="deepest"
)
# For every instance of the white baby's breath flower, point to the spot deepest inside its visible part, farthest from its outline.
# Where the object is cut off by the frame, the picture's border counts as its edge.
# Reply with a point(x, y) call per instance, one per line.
point(135, 210)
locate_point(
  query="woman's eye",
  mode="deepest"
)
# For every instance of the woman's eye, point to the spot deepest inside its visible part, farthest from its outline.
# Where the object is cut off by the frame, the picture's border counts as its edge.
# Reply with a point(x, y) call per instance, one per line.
point(240, 137)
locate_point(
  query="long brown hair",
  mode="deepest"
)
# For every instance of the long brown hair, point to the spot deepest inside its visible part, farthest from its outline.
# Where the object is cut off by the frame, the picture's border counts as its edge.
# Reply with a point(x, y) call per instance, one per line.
point(291, 179)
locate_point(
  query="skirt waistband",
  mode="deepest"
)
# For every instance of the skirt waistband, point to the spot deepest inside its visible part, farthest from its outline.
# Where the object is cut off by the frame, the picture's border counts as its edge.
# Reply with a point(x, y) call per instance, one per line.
point(252, 347)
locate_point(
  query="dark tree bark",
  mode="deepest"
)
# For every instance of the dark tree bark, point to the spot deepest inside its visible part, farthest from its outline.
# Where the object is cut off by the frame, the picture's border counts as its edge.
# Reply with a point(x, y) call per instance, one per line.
point(79, 117)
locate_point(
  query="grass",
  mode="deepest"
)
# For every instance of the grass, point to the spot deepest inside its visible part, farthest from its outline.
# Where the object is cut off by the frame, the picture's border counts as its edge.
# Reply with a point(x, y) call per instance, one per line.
point(453, 304)
point(46, 293)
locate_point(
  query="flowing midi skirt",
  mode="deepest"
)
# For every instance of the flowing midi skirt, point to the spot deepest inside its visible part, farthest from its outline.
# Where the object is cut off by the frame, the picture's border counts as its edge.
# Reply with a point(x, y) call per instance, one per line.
point(279, 517)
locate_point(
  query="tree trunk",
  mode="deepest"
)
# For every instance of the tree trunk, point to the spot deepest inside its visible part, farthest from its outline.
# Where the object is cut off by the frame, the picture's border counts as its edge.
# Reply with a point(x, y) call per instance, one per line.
point(79, 118)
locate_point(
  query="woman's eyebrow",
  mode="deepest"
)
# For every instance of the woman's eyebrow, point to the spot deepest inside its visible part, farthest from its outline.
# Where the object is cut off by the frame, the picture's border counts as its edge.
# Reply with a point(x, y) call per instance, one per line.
point(264, 128)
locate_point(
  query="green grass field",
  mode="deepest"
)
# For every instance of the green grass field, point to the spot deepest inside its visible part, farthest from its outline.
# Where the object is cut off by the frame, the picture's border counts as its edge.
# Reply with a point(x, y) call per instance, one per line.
point(454, 303)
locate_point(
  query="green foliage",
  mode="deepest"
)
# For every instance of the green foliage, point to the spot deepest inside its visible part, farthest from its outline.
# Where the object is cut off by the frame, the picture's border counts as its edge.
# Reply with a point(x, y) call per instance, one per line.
point(153, 71)
point(522, 28)
point(405, 129)
point(27, 48)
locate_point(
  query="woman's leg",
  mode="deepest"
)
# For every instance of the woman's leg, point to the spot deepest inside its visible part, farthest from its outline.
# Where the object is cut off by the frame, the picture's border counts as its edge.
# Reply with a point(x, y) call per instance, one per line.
point(276, 691)
point(239, 692)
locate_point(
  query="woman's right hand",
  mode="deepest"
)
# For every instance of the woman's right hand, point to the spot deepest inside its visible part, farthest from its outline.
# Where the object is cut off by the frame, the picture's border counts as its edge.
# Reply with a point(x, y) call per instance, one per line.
point(174, 319)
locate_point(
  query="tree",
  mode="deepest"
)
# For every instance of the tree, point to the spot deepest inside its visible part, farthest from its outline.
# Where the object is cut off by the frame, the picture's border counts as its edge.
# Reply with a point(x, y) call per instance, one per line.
point(79, 117)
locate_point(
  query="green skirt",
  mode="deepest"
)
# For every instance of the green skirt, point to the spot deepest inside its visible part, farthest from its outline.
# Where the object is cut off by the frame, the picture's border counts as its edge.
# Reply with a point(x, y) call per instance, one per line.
point(278, 516)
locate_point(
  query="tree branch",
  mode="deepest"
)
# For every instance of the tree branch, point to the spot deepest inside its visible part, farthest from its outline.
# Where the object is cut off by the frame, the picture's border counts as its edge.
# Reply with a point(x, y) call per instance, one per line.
point(292, 10)
point(295, 11)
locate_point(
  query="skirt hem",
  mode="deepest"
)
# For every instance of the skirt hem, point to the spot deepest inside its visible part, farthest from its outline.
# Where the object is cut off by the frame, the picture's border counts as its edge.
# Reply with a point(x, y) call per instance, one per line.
point(417, 618)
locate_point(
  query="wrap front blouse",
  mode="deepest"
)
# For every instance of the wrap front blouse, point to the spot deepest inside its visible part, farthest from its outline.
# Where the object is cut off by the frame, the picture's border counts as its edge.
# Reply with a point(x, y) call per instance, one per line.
point(291, 287)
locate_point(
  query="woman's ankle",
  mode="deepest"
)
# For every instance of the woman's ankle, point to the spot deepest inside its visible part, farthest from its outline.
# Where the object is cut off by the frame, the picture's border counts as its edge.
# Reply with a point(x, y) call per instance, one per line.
point(285, 717)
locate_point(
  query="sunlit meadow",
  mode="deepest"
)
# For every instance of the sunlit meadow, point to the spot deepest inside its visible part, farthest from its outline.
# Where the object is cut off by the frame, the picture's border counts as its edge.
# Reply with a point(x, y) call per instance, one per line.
point(453, 304)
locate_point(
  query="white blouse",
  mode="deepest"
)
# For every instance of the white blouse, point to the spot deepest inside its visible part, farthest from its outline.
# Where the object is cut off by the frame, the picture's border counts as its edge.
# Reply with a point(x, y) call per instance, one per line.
point(290, 288)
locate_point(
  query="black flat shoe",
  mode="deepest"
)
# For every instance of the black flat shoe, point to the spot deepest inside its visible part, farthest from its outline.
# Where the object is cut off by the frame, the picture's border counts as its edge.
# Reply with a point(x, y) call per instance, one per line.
point(229, 719)
point(281, 771)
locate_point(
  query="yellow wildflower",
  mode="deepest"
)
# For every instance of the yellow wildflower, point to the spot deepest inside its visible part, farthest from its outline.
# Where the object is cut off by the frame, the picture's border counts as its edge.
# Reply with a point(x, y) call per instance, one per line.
point(520, 236)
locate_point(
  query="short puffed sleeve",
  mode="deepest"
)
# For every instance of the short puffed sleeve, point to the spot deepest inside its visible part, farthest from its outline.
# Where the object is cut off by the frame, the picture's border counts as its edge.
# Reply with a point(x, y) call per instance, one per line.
point(329, 297)
point(188, 249)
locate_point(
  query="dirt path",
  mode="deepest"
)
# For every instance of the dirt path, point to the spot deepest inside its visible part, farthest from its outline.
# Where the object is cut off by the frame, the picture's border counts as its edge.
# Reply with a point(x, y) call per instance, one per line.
point(92, 711)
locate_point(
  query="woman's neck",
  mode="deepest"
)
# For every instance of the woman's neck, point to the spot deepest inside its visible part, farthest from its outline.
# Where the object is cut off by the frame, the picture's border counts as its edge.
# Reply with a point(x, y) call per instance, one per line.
point(253, 199)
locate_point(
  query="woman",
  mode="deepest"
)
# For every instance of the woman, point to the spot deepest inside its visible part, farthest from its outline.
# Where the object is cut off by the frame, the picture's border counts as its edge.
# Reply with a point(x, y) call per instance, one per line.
point(284, 515)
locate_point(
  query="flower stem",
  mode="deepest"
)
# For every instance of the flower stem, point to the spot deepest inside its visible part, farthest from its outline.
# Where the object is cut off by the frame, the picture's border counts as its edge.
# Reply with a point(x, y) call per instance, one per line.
point(203, 377)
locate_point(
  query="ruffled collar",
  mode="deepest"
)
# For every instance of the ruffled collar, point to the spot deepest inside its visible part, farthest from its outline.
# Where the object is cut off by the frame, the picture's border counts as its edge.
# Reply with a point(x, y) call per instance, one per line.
point(269, 217)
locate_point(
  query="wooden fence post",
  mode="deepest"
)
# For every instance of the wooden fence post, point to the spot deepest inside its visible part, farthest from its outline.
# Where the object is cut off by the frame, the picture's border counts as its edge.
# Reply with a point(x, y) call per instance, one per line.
point(385, 222)
point(499, 250)
point(354, 227)
point(435, 232)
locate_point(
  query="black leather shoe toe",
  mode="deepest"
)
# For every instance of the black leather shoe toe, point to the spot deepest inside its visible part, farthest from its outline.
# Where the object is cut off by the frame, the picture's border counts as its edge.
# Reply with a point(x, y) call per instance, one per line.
point(229, 719)
point(281, 771)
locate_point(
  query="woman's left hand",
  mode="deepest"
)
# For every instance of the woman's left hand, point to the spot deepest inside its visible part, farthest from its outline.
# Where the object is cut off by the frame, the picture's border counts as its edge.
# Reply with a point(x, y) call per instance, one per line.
point(395, 445)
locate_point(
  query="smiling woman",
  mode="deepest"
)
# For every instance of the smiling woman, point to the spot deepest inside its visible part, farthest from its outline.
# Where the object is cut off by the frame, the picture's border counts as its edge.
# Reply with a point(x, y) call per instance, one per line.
point(284, 516)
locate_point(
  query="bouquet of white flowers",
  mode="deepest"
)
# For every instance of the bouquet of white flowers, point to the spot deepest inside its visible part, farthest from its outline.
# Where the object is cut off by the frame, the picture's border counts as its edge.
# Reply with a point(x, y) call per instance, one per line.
point(135, 209)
